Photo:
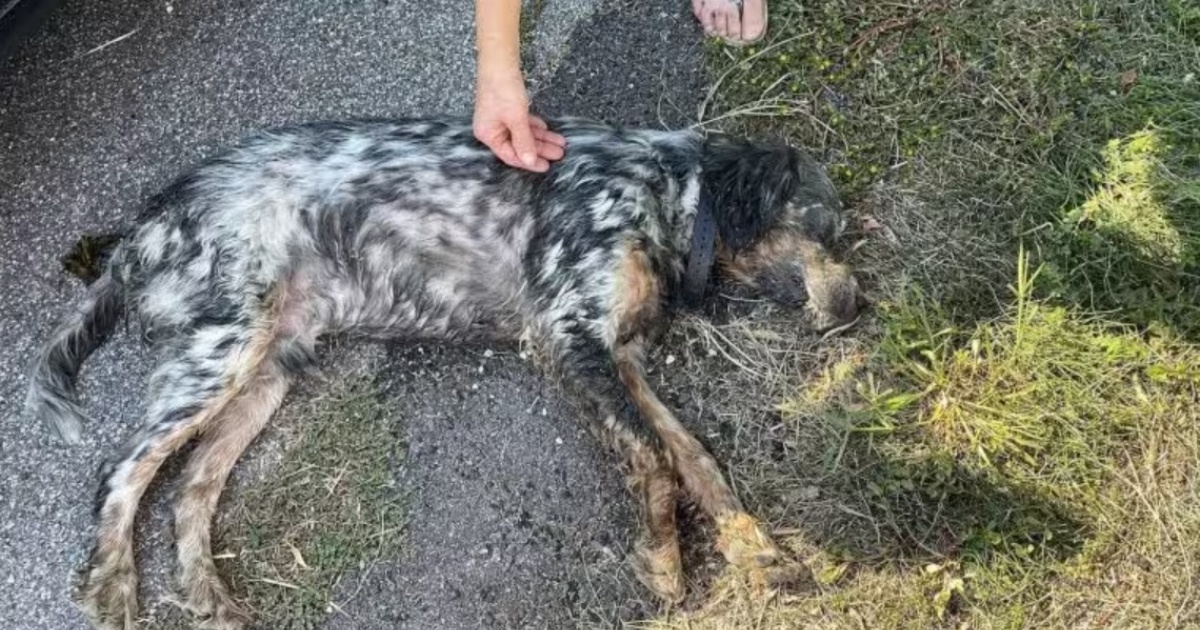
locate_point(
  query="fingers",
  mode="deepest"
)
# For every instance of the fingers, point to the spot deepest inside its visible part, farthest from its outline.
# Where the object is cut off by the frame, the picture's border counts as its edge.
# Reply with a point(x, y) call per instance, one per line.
point(550, 146)
point(550, 151)
point(505, 139)
point(542, 133)
point(541, 162)
point(504, 150)
point(522, 141)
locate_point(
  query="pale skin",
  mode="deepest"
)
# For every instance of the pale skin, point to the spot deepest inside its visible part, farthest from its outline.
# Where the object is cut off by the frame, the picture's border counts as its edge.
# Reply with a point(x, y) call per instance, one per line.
point(502, 118)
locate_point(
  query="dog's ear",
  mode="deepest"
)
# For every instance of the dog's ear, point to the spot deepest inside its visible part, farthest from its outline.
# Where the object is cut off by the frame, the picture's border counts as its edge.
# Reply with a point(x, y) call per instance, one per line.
point(750, 184)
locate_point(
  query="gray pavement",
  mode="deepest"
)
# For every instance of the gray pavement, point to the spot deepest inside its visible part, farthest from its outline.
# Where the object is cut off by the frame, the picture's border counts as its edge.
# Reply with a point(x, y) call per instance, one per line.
point(518, 520)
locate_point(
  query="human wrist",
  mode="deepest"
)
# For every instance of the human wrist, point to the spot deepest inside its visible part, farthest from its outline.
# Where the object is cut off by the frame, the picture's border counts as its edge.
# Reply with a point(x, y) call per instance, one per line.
point(503, 82)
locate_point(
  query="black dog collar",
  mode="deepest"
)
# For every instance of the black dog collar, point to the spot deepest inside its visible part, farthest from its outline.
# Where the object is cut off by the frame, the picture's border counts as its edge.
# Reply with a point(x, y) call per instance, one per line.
point(702, 253)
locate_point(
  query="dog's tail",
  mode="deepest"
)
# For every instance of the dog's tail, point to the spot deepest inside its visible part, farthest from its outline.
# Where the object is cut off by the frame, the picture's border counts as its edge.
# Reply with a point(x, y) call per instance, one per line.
point(51, 395)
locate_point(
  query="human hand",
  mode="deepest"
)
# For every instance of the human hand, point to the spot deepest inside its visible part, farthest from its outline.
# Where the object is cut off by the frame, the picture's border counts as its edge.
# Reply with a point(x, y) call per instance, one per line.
point(504, 124)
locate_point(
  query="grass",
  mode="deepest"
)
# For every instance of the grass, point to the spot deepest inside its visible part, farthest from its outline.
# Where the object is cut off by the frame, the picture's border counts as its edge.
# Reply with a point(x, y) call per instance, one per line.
point(289, 542)
point(1012, 439)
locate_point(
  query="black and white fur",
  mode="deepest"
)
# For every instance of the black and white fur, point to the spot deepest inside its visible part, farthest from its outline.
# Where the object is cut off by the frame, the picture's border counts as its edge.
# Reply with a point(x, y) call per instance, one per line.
point(410, 229)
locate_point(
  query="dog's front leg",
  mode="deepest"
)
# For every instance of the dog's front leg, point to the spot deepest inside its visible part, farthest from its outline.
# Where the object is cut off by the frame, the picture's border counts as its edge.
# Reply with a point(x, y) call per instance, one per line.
point(586, 369)
point(742, 539)
point(636, 309)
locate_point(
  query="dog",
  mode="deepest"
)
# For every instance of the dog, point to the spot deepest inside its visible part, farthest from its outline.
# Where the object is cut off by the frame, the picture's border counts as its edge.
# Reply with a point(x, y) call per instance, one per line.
point(411, 229)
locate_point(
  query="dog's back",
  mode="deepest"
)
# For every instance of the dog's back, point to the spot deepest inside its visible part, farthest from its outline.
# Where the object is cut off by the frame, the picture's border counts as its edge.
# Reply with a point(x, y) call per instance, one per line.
point(383, 229)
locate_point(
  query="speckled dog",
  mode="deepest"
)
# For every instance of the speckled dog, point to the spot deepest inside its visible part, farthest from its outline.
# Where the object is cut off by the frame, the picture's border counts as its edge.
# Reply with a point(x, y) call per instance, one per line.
point(411, 230)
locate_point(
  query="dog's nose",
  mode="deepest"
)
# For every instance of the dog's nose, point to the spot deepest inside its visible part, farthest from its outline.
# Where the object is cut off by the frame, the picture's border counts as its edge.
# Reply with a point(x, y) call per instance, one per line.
point(844, 310)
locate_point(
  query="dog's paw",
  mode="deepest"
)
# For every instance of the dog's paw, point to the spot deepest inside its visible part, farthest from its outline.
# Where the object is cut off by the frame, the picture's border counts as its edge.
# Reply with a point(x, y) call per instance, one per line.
point(209, 600)
point(107, 594)
point(660, 569)
point(746, 545)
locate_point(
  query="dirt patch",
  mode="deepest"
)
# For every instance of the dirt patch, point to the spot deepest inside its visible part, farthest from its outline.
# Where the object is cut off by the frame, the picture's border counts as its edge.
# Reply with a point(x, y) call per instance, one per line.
point(517, 518)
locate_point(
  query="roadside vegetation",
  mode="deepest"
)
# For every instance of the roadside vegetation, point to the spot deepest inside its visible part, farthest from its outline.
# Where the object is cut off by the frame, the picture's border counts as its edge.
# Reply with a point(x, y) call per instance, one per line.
point(1011, 439)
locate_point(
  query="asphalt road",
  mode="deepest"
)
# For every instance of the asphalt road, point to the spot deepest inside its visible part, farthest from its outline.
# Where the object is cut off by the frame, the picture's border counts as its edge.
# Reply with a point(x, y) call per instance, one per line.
point(111, 99)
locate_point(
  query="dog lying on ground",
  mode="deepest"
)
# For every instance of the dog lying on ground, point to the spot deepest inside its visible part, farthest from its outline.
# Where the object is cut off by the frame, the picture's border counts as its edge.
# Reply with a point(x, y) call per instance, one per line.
point(410, 229)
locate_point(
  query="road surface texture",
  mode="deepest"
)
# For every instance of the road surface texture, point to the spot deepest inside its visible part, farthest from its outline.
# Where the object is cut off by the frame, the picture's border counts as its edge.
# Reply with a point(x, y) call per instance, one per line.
point(517, 519)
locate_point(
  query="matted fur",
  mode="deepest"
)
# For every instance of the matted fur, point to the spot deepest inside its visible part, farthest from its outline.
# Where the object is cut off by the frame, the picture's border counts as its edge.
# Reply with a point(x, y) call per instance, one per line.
point(410, 229)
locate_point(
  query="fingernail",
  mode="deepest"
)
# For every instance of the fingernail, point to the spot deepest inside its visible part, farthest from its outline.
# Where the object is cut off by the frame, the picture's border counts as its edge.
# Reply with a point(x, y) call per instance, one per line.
point(529, 159)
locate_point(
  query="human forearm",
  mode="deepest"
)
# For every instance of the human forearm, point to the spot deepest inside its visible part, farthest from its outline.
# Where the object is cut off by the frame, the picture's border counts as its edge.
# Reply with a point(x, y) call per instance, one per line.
point(497, 38)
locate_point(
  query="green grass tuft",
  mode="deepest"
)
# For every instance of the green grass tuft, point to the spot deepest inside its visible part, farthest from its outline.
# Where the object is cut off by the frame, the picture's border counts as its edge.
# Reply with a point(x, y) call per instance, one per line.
point(1130, 247)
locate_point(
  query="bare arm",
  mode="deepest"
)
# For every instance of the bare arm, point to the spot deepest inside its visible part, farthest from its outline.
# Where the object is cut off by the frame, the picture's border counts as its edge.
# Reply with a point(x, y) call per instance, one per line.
point(497, 36)
point(502, 119)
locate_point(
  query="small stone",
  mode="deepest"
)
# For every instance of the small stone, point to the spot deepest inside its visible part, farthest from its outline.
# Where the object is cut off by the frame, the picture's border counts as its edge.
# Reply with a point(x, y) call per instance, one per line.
point(670, 359)
point(487, 354)
point(558, 441)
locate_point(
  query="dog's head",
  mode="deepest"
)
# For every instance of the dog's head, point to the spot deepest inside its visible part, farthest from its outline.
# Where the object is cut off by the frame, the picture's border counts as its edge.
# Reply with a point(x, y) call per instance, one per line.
point(778, 216)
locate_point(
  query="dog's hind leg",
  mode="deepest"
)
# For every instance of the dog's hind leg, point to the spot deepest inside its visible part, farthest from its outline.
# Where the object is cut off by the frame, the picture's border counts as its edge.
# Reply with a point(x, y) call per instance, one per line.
point(208, 468)
point(209, 368)
point(657, 560)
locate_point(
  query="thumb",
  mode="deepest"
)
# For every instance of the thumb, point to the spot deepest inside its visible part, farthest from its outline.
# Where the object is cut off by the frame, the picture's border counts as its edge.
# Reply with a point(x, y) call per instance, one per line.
point(523, 142)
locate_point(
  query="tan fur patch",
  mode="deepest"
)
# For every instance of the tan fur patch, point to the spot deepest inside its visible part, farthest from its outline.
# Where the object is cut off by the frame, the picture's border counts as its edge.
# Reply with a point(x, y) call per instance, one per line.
point(774, 249)
point(638, 298)
point(207, 471)
point(833, 292)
